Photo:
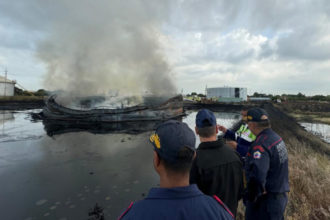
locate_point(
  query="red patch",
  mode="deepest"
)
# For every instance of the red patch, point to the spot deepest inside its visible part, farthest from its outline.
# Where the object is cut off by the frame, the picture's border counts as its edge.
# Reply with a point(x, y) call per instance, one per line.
point(223, 205)
point(124, 213)
point(261, 149)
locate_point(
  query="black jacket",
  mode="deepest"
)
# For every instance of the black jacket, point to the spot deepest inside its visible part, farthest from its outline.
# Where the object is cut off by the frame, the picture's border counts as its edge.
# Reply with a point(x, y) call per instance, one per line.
point(217, 170)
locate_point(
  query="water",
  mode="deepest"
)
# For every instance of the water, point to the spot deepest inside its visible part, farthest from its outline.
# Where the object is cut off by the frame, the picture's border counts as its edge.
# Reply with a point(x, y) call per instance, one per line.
point(63, 176)
point(321, 130)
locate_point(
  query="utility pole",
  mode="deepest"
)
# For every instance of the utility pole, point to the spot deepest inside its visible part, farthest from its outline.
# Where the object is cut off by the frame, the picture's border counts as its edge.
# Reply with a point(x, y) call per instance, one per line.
point(5, 81)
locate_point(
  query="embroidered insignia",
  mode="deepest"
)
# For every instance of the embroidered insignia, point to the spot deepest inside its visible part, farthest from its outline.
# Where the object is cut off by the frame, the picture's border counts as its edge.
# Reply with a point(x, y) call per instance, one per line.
point(155, 139)
point(257, 155)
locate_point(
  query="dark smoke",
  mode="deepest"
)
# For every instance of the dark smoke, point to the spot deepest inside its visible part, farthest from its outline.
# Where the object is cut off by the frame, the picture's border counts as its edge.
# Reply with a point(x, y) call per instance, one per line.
point(101, 47)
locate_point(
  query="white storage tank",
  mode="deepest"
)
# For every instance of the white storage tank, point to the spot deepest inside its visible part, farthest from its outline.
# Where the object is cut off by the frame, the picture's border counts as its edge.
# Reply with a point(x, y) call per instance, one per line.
point(7, 87)
point(227, 94)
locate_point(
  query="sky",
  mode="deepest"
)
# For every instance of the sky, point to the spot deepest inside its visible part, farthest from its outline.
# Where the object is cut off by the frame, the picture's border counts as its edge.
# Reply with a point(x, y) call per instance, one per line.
point(277, 47)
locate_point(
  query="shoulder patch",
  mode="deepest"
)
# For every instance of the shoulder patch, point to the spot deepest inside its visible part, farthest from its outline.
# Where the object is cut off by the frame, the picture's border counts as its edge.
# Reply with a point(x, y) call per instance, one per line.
point(125, 212)
point(257, 155)
point(258, 147)
point(223, 205)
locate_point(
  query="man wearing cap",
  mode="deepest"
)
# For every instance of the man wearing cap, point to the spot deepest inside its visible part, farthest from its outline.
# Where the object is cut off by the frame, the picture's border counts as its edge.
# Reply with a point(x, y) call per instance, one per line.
point(242, 138)
point(174, 151)
point(266, 170)
point(217, 168)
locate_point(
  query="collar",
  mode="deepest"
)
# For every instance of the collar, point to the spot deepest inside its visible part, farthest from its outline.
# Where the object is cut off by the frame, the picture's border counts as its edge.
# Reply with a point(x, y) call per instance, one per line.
point(174, 193)
point(211, 144)
point(265, 131)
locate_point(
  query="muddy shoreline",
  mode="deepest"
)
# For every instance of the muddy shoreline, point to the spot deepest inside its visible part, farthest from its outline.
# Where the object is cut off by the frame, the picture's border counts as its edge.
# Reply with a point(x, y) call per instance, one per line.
point(21, 105)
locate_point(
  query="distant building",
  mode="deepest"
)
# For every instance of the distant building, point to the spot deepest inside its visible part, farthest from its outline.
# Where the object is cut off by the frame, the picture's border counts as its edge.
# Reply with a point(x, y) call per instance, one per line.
point(227, 94)
point(7, 87)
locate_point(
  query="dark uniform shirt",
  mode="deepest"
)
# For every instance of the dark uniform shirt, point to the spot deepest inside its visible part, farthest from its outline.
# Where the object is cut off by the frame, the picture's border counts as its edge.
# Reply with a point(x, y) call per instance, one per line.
point(176, 203)
point(217, 170)
point(267, 165)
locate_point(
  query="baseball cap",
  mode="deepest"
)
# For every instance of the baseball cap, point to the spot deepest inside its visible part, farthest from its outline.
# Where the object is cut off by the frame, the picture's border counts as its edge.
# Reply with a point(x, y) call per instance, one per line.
point(257, 115)
point(205, 118)
point(170, 137)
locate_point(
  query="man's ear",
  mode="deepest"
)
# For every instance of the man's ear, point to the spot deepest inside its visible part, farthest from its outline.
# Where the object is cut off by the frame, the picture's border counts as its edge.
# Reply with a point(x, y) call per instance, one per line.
point(216, 129)
point(156, 159)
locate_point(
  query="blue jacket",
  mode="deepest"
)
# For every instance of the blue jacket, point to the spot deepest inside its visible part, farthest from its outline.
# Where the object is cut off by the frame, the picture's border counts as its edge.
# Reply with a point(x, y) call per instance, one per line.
point(267, 165)
point(177, 203)
point(243, 137)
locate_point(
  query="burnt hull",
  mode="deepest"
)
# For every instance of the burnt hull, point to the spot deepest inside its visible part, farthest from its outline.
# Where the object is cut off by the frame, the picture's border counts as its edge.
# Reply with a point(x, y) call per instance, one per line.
point(173, 108)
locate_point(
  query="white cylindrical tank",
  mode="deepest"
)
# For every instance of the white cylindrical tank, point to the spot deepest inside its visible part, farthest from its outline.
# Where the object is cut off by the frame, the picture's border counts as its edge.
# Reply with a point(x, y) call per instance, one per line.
point(7, 87)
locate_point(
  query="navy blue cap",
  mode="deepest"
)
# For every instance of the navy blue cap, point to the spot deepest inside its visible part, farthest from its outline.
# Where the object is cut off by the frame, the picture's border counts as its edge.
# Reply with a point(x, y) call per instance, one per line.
point(205, 118)
point(257, 115)
point(170, 137)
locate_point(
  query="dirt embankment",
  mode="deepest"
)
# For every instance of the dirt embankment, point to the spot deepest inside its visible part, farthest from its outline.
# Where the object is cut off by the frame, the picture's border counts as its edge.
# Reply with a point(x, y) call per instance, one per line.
point(313, 112)
point(21, 103)
point(301, 106)
point(287, 127)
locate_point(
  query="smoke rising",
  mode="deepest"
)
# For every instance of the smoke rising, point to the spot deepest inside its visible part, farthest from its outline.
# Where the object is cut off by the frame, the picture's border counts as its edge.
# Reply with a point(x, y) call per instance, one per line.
point(97, 47)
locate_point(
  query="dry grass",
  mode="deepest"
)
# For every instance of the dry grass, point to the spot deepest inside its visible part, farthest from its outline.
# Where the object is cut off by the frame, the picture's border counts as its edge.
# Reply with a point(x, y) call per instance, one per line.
point(309, 181)
point(309, 196)
point(322, 117)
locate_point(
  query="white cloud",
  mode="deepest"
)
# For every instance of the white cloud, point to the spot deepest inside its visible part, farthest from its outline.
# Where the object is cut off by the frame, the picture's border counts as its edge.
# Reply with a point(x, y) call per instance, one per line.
point(265, 45)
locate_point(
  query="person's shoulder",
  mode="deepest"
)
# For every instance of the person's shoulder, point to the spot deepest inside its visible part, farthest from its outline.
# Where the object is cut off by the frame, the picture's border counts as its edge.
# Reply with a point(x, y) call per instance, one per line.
point(137, 208)
point(215, 204)
point(125, 214)
point(230, 153)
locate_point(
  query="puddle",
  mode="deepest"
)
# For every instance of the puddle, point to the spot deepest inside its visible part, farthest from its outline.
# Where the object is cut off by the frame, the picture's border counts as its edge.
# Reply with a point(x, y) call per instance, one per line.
point(321, 130)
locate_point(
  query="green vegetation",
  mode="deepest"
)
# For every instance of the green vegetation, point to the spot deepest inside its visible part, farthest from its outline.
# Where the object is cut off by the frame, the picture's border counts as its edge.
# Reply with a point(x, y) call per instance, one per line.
point(25, 96)
point(40, 92)
point(195, 94)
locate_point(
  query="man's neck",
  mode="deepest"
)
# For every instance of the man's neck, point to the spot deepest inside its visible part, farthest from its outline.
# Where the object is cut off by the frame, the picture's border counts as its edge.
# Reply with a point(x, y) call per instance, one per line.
point(208, 139)
point(174, 181)
point(258, 131)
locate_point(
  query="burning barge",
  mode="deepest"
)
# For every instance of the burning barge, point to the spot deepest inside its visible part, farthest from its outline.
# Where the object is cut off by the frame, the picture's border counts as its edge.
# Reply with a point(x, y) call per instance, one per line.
point(172, 108)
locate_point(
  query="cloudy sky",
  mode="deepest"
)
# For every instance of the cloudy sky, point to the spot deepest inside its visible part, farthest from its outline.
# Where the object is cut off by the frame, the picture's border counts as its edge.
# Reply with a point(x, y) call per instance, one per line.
point(265, 45)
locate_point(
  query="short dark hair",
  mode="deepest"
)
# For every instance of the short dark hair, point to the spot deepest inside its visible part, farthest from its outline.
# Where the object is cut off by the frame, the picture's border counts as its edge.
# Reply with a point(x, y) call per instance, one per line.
point(263, 124)
point(183, 163)
point(206, 132)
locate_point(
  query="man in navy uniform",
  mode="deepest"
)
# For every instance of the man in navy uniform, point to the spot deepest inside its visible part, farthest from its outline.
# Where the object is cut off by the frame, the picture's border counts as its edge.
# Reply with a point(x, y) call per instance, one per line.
point(266, 170)
point(217, 169)
point(174, 151)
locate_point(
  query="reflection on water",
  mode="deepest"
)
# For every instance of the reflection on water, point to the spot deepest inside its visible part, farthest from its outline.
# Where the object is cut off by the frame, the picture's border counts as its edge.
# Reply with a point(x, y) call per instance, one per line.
point(16, 126)
point(64, 176)
point(6, 116)
point(321, 130)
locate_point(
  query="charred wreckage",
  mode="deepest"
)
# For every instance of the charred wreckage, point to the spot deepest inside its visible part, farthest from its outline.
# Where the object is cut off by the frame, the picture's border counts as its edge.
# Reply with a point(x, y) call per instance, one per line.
point(58, 119)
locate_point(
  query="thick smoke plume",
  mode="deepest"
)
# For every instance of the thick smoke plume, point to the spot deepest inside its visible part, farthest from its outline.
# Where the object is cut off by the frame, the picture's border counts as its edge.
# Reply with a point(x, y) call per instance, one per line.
point(97, 47)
